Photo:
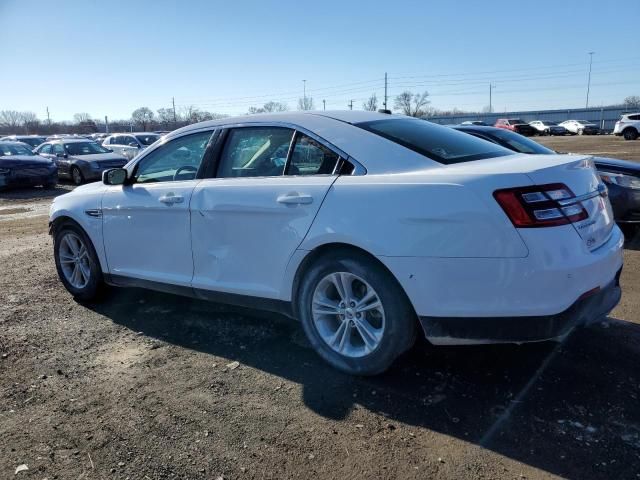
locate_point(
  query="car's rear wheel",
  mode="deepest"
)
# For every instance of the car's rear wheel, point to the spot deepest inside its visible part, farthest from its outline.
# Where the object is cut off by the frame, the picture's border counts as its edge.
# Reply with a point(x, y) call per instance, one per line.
point(630, 134)
point(355, 314)
point(76, 176)
point(77, 262)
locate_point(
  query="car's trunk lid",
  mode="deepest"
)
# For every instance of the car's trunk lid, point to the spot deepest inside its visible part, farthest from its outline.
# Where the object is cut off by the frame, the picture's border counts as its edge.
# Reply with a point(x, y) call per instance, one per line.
point(579, 174)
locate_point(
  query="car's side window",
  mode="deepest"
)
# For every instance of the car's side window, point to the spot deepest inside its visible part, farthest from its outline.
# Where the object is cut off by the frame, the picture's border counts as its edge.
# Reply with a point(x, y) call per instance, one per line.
point(57, 149)
point(309, 157)
point(255, 152)
point(178, 159)
point(46, 149)
point(129, 140)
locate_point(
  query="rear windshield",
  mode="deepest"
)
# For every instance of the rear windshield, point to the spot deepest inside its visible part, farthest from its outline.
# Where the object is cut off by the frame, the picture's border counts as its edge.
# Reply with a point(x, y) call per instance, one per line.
point(516, 121)
point(33, 141)
point(147, 139)
point(521, 143)
point(442, 144)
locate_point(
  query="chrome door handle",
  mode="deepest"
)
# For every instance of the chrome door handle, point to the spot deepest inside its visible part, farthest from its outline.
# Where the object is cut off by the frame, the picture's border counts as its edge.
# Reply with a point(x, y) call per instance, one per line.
point(295, 199)
point(170, 199)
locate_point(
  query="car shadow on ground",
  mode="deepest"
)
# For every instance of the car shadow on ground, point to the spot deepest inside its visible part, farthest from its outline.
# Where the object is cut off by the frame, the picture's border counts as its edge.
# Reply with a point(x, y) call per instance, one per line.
point(35, 193)
point(568, 408)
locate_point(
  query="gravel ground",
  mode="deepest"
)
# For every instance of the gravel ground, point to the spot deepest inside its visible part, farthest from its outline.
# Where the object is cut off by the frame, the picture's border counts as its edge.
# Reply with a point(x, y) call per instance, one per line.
point(148, 386)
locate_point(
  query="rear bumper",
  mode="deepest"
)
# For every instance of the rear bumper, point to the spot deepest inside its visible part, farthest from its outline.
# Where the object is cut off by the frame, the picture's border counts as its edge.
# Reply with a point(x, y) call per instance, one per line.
point(483, 330)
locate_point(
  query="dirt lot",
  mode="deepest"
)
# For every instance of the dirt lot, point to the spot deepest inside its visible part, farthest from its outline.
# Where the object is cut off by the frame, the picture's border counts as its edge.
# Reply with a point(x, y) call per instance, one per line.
point(145, 386)
point(599, 145)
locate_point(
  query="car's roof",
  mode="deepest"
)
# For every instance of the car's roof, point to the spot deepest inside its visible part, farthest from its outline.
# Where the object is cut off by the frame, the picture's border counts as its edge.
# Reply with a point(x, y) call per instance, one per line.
point(297, 118)
point(16, 143)
point(70, 140)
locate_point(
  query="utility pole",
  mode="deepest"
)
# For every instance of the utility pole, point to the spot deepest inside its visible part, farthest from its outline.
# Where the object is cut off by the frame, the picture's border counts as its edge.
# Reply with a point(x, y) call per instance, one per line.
point(304, 92)
point(106, 124)
point(48, 117)
point(589, 81)
point(175, 119)
point(385, 90)
point(350, 104)
point(324, 104)
point(491, 87)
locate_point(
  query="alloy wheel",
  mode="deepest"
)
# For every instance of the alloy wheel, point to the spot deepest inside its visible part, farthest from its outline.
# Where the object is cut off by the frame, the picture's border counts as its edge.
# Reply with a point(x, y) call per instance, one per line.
point(348, 314)
point(74, 260)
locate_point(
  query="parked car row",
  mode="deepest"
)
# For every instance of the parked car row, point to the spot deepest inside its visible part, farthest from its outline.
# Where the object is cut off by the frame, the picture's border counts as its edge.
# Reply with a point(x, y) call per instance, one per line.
point(568, 127)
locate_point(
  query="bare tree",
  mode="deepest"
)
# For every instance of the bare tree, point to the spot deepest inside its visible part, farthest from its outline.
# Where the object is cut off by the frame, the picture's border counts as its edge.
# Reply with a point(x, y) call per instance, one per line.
point(165, 116)
point(142, 116)
point(632, 101)
point(30, 121)
point(305, 103)
point(412, 104)
point(269, 107)
point(81, 117)
point(371, 104)
point(10, 118)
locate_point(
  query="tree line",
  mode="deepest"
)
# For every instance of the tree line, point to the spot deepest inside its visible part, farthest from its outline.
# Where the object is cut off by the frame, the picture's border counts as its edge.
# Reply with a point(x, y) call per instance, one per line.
point(145, 119)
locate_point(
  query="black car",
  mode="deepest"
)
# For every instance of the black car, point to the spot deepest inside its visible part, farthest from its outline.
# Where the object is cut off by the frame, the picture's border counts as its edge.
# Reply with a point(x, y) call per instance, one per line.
point(622, 177)
point(19, 166)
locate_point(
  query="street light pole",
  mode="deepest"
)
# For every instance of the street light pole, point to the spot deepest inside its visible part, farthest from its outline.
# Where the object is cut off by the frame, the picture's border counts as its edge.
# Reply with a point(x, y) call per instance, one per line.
point(589, 80)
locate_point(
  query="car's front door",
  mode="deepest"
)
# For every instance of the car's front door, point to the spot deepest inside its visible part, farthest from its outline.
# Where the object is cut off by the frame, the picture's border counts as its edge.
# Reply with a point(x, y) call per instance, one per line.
point(248, 221)
point(62, 159)
point(146, 224)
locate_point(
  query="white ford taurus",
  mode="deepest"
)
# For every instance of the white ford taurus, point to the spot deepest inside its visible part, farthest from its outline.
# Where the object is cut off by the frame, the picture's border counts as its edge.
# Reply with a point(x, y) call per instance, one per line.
point(364, 226)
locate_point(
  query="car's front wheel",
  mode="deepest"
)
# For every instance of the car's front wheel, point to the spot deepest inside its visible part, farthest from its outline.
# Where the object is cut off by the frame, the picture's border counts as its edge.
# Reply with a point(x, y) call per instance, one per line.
point(76, 176)
point(355, 314)
point(77, 262)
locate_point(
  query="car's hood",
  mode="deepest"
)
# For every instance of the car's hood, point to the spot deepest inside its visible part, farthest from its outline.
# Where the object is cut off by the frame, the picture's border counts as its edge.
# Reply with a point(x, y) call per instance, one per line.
point(618, 164)
point(13, 161)
point(100, 157)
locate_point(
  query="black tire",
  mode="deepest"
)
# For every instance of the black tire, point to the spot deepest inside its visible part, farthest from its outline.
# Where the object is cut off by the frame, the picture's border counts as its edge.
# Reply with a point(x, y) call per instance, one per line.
point(630, 134)
point(400, 319)
point(50, 185)
point(95, 283)
point(76, 176)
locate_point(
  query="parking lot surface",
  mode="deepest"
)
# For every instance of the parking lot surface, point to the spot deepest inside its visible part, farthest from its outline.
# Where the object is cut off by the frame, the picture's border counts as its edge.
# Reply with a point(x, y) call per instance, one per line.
point(149, 385)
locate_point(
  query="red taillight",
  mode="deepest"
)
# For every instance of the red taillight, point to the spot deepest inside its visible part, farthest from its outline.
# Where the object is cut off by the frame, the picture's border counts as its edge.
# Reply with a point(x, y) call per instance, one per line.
point(538, 206)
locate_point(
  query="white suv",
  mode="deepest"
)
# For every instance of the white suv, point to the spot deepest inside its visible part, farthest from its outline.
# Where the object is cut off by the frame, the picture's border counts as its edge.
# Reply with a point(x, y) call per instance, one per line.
point(628, 126)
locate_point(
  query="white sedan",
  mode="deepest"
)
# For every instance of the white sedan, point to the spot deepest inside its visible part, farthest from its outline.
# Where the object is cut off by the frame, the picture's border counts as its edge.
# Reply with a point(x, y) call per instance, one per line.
point(366, 227)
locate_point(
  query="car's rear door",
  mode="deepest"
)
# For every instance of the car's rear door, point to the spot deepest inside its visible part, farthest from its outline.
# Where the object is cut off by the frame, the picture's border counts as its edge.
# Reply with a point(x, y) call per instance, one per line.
point(146, 224)
point(248, 221)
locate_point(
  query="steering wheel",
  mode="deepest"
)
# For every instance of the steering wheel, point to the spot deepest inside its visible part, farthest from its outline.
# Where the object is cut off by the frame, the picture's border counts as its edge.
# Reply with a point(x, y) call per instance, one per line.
point(190, 168)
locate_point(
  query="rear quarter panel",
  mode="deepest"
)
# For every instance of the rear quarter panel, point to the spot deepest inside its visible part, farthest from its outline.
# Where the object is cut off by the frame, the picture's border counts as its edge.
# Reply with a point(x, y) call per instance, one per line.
point(428, 214)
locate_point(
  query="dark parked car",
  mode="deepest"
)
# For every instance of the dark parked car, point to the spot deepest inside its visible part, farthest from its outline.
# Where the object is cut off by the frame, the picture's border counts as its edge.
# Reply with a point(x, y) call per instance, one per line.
point(32, 140)
point(80, 160)
point(516, 125)
point(622, 177)
point(19, 167)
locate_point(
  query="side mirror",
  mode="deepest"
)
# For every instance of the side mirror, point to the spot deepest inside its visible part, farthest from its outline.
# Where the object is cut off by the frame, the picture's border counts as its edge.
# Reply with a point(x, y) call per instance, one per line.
point(62, 155)
point(114, 176)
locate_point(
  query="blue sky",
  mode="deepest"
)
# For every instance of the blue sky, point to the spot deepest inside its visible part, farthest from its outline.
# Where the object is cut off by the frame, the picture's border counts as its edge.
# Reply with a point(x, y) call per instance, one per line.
point(109, 58)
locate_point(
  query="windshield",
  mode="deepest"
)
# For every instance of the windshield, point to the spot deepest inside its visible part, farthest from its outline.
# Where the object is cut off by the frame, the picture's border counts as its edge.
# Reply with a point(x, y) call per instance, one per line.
point(584, 122)
point(516, 121)
point(33, 141)
point(550, 123)
point(147, 139)
point(438, 143)
point(84, 148)
point(7, 149)
point(520, 143)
